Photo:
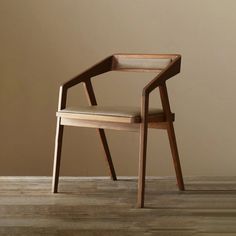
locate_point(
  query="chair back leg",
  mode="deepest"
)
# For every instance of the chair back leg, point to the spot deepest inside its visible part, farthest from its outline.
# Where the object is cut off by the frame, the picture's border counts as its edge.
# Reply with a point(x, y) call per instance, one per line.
point(57, 155)
point(107, 153)
point(175, 155)
point(92, 101)
point(171, 135)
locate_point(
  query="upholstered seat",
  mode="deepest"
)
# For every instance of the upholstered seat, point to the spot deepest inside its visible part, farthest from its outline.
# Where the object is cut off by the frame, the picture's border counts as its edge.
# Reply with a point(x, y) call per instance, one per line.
point(109, 113)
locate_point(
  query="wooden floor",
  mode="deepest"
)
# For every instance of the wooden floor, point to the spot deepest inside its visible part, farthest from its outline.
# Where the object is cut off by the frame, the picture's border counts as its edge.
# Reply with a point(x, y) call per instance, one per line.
point(103, 207)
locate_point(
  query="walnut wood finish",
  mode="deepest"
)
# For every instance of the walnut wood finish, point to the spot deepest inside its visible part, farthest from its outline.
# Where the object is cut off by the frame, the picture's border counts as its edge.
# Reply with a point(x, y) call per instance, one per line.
point(58, 142)
point(166, 65)
point(171, 135)
point(57, 155)
point(142, 151)
point(92, 101)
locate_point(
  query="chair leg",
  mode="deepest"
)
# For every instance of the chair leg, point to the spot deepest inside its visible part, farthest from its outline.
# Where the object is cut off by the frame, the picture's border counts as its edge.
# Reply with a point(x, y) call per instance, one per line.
point(142, 165)
point(57, 156)
point(107, 153)
point(175, 155)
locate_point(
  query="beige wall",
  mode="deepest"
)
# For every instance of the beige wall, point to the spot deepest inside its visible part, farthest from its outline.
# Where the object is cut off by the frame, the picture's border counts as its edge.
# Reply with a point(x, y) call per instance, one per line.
point(45, 42)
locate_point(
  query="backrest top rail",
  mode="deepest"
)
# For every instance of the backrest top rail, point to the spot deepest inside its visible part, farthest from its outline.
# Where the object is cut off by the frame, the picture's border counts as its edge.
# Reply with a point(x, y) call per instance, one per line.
point(142, 62)
point(134, 55)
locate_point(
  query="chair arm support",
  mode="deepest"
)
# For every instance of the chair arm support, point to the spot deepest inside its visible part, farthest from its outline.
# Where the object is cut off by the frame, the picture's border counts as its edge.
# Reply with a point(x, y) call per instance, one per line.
point(99, 68)
point(172, 69)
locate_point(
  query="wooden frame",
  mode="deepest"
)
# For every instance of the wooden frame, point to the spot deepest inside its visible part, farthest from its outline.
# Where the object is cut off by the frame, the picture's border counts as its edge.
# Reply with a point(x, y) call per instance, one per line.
point(166, 65)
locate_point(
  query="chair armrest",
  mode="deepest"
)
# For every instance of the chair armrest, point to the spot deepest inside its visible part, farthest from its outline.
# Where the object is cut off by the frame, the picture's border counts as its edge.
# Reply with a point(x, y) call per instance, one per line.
point(99, 68)
point(171, 70)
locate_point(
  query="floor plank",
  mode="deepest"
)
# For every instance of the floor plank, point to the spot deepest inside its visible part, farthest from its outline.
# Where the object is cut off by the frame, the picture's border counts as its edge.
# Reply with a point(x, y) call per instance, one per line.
point(100, 206)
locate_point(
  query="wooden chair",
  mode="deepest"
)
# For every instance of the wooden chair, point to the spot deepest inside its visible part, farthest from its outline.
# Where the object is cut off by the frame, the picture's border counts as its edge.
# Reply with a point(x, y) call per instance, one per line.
point(130, 119)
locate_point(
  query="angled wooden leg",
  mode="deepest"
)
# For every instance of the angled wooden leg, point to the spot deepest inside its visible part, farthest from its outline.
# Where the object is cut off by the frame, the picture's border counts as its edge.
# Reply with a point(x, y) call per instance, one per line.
point(175, 155)
point(57, 155)
point(142, 150)
point(142, 165)
point(107, 153)
point(171, 135)
point(92, 101)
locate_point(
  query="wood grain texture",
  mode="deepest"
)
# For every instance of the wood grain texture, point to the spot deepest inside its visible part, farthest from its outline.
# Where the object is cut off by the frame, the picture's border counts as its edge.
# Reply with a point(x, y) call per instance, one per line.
point(171, 135)
point(104, 207)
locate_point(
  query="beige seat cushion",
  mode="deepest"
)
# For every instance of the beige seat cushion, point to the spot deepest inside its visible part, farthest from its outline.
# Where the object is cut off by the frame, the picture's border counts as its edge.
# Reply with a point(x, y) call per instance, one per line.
point(108, 113)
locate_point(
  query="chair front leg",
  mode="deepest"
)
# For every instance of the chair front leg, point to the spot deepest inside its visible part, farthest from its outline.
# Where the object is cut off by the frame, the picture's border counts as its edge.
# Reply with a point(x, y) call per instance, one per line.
point(142, 149)
point(142, 164)
point(175, 155)
point(57, 155)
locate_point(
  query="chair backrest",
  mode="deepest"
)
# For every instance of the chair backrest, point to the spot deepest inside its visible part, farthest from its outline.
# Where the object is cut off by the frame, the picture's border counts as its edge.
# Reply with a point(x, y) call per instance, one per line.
point(166, 65)
point(142, 62)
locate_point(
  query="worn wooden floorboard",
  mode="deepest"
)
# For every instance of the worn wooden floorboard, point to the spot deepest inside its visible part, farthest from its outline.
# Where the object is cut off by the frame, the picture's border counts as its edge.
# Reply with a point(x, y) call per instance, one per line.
point(104, 207)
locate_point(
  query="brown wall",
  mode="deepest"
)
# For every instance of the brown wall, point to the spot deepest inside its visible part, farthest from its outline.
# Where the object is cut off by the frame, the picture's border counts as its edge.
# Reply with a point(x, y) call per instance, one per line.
point(43, 43)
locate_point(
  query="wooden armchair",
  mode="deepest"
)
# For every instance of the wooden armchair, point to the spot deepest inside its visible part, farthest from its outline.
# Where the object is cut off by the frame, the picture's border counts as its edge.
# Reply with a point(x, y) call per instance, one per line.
point(120, 118)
